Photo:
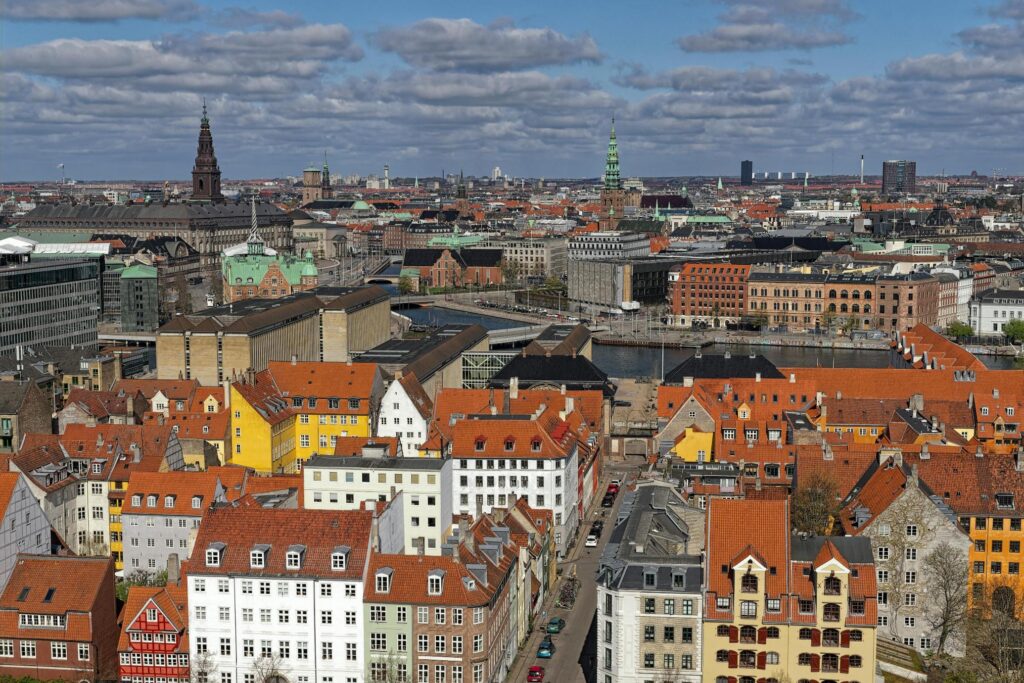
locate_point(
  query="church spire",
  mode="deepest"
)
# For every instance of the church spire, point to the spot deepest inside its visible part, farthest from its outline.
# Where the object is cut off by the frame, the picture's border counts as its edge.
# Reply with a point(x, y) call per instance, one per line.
point(205, 172)
point(611, 164)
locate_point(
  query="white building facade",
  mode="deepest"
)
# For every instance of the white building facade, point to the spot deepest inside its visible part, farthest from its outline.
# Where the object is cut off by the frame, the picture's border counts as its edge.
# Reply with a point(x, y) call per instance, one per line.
point(280, 595)
point(403, 416)
point(992, 310)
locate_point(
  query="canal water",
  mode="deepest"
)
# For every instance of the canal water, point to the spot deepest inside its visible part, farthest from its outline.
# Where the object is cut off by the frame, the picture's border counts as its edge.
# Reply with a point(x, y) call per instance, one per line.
point(644, 361)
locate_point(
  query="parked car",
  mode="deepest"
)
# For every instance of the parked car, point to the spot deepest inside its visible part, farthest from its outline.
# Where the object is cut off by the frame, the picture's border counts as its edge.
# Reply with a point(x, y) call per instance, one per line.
point(535, 675)
point(612, 490)
point(591, 541)
point(546, 649)
point(555, 625)
point(596, 528)
point(608, 501)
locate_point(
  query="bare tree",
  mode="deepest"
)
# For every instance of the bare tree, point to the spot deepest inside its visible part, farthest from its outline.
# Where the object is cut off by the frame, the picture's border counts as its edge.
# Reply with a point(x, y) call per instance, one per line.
point(815, 504)
point(268, 669)
point(202, 667)
point(389, 668)
point(995, 635)
point(946, 578)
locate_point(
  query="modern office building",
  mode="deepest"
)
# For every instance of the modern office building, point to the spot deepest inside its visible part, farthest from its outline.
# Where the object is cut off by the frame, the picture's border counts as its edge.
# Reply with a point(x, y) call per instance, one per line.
point(899, 177)
point(140, 299)
point(49, 303)
point(746, 172)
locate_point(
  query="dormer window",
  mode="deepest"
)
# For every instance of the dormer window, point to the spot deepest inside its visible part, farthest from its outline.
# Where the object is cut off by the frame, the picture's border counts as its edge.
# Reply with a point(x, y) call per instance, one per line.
point(214, 554)
point(478, 446)
point(339, 558)
point(984, 410)
point(296, 401)
point(435, 582)
point(151, 501)
point(258, 556)
point(510, 445)
point(136, 499)
point(382, 581)
point(197, 502)
point(97, 467)
point(748, 583)
point(293, 557)
point(168, 501)
point(535, 445)
point(833, 586)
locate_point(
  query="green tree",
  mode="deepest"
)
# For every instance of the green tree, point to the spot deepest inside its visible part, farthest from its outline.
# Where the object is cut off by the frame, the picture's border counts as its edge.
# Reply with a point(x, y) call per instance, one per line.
point(828, 319)
point(139, 577)
point(404, 285)
point(815, 504)
point(1014, 330)
point(959, 330)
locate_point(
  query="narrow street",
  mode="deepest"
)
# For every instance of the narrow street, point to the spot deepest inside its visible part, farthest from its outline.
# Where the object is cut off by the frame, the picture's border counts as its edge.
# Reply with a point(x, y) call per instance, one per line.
point(566, 665)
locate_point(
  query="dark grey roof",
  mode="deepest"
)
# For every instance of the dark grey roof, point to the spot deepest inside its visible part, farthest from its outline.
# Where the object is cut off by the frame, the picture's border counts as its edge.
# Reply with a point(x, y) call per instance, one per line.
point(424, 357)
point(714, 366)
point(11, 396)
point(481, 258)
point(575, 372)
point(856, 549)
point(767, 276)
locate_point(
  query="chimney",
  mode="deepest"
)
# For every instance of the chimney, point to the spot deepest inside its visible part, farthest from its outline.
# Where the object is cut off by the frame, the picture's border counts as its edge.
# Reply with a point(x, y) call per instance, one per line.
point(420, 543)
point(129, 409)
point(1018, 458)
point(394, 492)
point(757, 376)
point(995, 393)
point(839, 396)
point(227, 395)
point(250, 375)
point(136, 453)
point(979, 453)
point(295, 359)
point(687, 381)
point(926, 454)
point(173, 570)
point(912, 481)
point(513, 388)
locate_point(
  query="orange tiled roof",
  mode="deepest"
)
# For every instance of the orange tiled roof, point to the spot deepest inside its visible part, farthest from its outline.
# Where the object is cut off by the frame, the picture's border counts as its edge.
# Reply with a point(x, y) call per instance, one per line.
point(176, 489)
point(171, 600)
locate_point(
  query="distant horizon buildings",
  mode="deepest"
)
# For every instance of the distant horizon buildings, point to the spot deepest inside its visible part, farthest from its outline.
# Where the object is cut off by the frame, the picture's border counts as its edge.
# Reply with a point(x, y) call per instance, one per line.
point(899, 177)
point(746, 172)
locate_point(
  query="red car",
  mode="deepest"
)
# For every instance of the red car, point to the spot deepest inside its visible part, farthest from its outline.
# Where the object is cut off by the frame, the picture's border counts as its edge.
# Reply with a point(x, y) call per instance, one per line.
point(613, 489)
point(536, 675)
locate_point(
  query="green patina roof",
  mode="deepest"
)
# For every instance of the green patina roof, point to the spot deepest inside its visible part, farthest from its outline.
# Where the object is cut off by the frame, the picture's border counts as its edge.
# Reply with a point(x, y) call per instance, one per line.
point(360, 205)
point(139, 271)
point(409, 272)
point(255, 266)
point(708, 219)
point(455, 241)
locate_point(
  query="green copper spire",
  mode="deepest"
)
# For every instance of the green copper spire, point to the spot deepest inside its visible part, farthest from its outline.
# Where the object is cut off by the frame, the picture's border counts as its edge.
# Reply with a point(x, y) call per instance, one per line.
point(611, 164)
point(719, 183)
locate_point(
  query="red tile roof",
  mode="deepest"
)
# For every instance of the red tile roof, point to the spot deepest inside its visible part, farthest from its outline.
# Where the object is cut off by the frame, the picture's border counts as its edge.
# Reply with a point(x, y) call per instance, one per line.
point(177, 487)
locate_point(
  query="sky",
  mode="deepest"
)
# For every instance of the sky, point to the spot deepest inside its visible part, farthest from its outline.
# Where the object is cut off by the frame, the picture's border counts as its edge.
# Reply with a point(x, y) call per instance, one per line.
point(114, 89)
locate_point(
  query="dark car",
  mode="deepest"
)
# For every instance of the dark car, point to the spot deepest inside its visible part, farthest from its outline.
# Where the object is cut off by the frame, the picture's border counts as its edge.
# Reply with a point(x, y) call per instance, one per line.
point(596, 528)
point(609, 500)
point(546, 649)
point(555, 625)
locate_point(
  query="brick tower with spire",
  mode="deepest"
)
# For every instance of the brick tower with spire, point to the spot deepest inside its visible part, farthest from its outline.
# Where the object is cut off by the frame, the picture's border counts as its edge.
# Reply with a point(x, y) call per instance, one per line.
point(206, 173)
point(613, 199)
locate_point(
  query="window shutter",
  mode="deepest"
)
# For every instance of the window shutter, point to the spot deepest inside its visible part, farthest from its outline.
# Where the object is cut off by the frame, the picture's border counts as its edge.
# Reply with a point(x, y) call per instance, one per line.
point(762, 635)
point(733, 659)
point(762, 659)
point(815, 637)
point(815, 662)
point(844, 639)
point(844, 664)
point(734, 634)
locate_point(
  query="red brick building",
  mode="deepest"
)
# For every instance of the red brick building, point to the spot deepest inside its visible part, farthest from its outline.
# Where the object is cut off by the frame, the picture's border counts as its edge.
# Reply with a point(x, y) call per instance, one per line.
point(714, 293)
point(154, 640)
point(58, 619)
point(455, 268)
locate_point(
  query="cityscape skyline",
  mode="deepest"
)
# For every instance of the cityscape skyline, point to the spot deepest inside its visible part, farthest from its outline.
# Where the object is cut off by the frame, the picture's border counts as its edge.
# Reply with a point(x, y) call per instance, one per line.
point(115, 89)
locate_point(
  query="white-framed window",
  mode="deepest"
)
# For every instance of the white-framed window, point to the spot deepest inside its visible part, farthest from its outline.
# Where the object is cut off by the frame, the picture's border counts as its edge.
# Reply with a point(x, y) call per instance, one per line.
point(28, 649)
point(293, 559)
point(257, 559)
point(338, 561)
point(59, 650)
point(212, 557)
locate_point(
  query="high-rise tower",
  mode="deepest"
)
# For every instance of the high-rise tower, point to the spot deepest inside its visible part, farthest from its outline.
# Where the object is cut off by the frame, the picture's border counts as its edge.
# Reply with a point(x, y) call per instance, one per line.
point(206, 173)
point(611, 163)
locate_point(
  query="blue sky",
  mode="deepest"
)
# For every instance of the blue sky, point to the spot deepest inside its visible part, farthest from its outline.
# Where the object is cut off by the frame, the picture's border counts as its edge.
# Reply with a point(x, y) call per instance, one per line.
point(112, 88)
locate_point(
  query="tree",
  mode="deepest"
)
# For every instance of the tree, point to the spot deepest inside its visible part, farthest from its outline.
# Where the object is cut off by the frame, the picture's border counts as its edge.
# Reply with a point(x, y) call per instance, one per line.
point(509, 271)
point(828, 319)
point(959, 330)
point(405, 285)
point(268, 669)
point(945, 570)
point(848, 324)
point(202, 667)
point(1014, 330)
point(815, 504)
point(139, 577)
point(389, 668)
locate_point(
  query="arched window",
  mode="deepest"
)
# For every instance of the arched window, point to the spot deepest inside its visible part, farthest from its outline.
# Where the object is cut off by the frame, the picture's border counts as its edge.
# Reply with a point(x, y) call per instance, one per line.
point(748, 634)
point(746, 679)
point(771, 658)
point(831, 612)
point(843, 294)
point(830, 662)
point(831, 294)
point(830, 637)
point(722, 679)
point(855, 308)
point(748, 660)
point(833, 586)
point(773, 632)
point(723, 630)
point(803, 659)
point(748, 583)
point(867, 308)
point(867, 294)
point(722, 656)
point(843, 308)
point(856, 635)
point(856, 294)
